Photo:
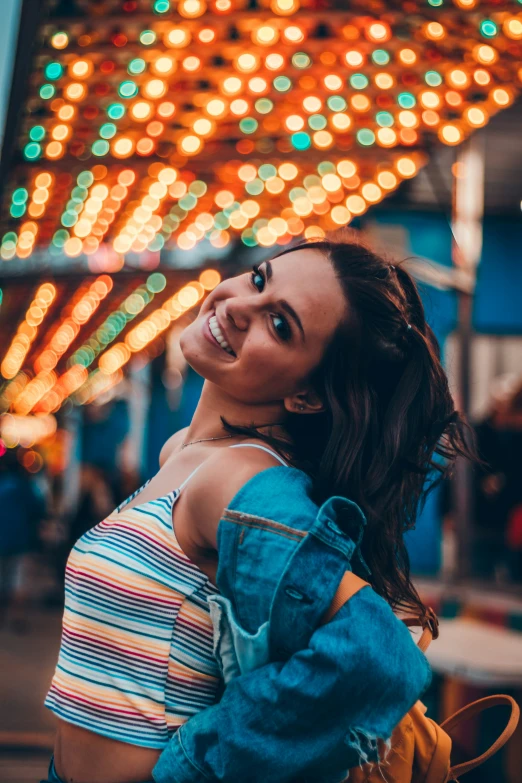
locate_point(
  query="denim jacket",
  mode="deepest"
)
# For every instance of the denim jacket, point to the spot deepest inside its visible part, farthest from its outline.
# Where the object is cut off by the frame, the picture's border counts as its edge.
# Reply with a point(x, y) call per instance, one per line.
point(302, 703)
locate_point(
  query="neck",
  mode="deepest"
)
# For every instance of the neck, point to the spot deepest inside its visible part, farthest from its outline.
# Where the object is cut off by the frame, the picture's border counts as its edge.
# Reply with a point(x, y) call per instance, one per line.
point(214, 403)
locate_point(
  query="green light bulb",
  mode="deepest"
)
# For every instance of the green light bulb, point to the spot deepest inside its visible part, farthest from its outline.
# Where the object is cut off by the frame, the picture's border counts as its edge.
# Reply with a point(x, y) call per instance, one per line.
point(53, 71)
point(32, 151)
point(301, 140)
point(366, 137)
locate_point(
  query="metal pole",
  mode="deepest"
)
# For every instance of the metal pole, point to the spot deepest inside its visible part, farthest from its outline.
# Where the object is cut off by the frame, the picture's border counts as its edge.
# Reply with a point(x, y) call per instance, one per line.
point(468, 208)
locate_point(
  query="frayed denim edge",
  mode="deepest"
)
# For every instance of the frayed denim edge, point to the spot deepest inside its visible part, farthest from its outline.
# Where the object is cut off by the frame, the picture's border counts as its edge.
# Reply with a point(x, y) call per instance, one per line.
point(353, 740)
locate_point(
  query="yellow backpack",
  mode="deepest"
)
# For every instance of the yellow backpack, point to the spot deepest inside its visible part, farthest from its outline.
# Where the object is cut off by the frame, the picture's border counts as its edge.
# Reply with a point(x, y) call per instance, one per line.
point(420, 749)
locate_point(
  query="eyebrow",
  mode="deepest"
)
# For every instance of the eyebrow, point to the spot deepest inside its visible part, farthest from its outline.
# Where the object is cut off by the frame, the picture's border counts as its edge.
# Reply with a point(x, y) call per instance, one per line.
point(284, 304)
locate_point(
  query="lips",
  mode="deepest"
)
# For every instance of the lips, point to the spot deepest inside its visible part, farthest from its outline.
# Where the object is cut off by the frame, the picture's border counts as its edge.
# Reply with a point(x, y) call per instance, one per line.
point(214, 334)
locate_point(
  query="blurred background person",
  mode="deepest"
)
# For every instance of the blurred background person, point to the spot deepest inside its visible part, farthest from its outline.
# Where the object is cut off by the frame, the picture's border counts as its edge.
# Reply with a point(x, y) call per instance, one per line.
point(498, 484)
point(22, 508)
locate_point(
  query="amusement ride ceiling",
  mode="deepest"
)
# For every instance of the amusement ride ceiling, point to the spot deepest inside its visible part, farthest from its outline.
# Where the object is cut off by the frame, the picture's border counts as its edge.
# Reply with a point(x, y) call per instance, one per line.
point(149, 125)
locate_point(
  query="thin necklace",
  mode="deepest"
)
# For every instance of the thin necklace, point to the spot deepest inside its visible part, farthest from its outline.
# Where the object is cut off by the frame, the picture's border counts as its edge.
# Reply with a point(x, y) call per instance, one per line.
point(222, 437)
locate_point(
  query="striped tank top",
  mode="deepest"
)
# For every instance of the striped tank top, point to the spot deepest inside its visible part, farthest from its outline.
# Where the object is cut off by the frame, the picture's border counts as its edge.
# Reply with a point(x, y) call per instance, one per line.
point(136, 658)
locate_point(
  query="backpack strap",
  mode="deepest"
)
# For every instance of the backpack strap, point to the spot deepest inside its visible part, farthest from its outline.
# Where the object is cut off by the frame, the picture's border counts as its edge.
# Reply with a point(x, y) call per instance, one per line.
point(348, 587)
point(473, 709)
point(430, 627)
point(350, 584)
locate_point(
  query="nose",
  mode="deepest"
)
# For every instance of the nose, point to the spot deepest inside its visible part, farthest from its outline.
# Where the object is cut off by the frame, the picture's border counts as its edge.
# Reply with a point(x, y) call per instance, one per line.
point(239, 310)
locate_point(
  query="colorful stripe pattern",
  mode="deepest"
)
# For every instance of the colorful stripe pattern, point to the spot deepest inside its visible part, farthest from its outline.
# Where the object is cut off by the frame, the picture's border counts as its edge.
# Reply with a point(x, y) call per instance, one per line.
point(136, 658)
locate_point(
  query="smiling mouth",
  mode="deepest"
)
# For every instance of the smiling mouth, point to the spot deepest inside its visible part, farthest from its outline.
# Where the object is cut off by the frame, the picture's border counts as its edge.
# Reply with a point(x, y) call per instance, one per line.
point(218, 336)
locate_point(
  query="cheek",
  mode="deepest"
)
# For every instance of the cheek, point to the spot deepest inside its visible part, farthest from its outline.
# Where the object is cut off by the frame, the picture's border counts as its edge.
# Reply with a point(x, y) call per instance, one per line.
point(267, 367)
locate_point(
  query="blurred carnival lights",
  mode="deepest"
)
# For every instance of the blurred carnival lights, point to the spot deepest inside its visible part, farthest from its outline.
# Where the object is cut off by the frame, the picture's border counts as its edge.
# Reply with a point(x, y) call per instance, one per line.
point(317, 84)
point(293, 122)
point(26, 431)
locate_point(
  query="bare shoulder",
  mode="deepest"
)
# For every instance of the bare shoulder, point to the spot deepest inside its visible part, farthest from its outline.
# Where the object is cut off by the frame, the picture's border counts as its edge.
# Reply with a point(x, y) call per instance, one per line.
point(171, 444)
point(217, 482)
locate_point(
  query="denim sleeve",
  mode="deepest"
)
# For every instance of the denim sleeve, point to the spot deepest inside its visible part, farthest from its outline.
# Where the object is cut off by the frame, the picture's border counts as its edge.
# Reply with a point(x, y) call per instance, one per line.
point(312, 717)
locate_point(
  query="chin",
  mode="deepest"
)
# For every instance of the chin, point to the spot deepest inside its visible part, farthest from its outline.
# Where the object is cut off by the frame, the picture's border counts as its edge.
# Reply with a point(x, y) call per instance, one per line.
point(194, 352)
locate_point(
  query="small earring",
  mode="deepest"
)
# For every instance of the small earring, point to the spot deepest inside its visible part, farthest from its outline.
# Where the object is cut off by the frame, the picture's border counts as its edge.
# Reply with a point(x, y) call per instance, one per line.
point(301, 407)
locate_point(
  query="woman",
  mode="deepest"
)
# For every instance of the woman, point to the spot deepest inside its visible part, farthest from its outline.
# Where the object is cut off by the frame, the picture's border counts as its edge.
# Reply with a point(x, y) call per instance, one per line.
point(324, 355)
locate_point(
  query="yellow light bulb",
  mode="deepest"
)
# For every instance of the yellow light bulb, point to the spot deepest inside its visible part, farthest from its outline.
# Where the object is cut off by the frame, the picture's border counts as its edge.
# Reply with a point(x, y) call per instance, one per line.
point(274, 61)
point(164, 65)
point(312, 104)
point(155, 88)
point(458, 78)
point(341, 121)
point(75, 91)
point(265, 35)
point(476, 117)
point(331, 183)
point(407, 56)
point(408, 119)
point(387, 180)
point(434, 31)
point(333, 82)
point(354, 58)
point(191, 145)
point(66, 112)
point(247, 62)
point(356, 205)
point(288, 171)
point(485, 54)
point(386, 137)
point(346, 168)
point(203, 127)
point(371, 192)
point(293, 34)
point(384, 81)
point(192, 8)
point(81, 69)
point(501, 96)
point(378, 32)
point(284, 7)
point(232, 85)
point(360, 102)
point(177, 37)
point(513, 28)
point(430, 99)
point(257, 85)
point(239, 107)
point(141, 110)
point(122, 147)
point(191, 64)
point(294, 123)
point(406, 167)
point(450, 134)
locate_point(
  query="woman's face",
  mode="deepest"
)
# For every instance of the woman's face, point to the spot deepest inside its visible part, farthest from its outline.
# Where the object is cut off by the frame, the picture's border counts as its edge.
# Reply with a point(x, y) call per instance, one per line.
point(277, 321)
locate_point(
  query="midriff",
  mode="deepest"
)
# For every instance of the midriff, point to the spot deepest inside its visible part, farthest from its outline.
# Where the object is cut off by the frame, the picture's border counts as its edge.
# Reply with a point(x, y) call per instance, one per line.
point(80, 756)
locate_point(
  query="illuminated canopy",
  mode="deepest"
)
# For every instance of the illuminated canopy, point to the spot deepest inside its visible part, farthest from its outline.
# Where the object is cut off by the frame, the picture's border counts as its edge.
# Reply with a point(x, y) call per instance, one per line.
point(152, 123)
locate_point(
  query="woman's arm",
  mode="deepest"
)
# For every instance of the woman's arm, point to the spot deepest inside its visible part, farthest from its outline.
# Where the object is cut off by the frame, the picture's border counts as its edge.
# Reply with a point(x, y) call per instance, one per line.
point(313, 717)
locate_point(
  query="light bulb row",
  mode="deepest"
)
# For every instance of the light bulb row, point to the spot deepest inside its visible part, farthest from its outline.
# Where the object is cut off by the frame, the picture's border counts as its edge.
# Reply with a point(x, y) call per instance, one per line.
point(27, 330)
point(80, 310)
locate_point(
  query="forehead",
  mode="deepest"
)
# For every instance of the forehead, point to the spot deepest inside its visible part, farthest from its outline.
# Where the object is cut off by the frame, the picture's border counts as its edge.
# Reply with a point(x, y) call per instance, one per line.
point(307, 280)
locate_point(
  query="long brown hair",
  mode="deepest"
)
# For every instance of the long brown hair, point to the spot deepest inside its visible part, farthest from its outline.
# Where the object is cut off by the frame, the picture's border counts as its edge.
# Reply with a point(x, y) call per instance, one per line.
point(388, 411)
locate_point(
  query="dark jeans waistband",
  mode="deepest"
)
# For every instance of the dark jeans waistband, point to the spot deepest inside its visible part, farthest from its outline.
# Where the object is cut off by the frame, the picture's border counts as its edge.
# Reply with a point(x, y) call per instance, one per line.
point(52, 775)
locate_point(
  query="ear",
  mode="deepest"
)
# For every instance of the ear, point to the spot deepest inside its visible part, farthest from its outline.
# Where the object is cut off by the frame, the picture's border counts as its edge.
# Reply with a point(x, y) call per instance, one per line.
point(304, 402)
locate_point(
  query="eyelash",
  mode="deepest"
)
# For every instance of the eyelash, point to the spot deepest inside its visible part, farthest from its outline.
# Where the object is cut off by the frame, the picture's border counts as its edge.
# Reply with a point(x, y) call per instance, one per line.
point(288, 332)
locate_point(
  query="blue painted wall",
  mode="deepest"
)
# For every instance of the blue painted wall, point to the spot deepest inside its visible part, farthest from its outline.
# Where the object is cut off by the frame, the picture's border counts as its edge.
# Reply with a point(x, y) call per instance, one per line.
point(497, 310)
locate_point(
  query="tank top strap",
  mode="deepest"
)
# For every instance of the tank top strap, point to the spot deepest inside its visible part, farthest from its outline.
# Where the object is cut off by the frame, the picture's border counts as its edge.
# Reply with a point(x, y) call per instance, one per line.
point(258, 446)
point(236, 446)
point(184, 484)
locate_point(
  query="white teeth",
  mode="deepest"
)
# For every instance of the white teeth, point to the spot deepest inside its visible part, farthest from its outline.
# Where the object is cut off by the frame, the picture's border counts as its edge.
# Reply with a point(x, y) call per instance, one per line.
point(218, 334)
